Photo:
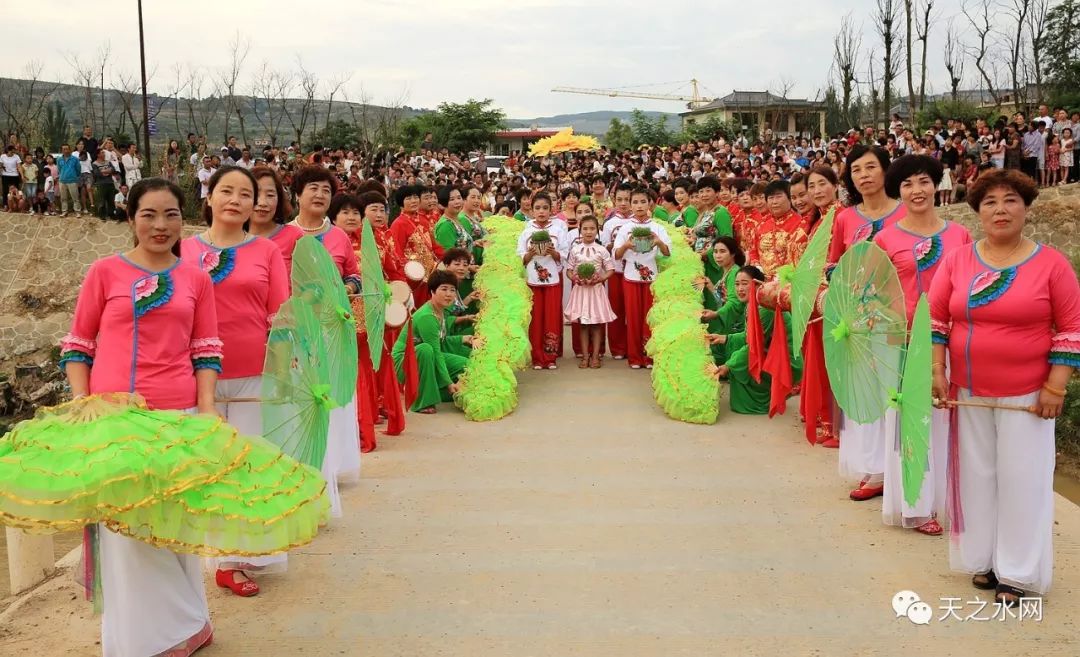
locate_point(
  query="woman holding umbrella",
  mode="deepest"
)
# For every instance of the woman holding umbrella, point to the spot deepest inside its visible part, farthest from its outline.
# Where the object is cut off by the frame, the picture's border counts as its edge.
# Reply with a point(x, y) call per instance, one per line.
point(1006, 317)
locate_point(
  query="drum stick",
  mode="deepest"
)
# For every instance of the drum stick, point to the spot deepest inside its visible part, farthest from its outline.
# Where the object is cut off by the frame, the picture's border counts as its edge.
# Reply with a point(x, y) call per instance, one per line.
point(978, 404)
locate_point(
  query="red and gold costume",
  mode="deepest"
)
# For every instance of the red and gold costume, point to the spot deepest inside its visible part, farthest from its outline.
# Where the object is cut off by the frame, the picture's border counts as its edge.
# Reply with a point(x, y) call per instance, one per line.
point(377, 392)
point(745, 226)
point(412, 240)
point(816, 401)
point(778, 242)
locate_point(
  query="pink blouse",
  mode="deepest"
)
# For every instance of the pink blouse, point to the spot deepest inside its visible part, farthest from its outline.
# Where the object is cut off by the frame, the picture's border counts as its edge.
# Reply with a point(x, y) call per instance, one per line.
point(286, 237)
point(1006, 327)
point(339, 246)
point(598, 256)
point(144, 331)
point(917, 257)
point(250, 284)
point(851, 227)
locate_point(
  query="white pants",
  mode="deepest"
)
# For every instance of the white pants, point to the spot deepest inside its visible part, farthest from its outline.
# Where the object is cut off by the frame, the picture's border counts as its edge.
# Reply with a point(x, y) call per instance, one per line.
point(247, 418)
point(1006, 473)
point(862, 447)
point(931, 502)
point(342, 453)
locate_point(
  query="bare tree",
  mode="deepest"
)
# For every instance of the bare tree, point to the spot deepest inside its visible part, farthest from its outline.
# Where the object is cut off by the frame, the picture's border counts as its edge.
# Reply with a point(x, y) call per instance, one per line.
point(782, 88)
point(102, 63)
point(86, 75)
point(922, 33)
point(909, 13)
point(954, 60)
point(388, 120)
point(846, 46)
point(979, 18)
point(1037, 26)
point(299, 115)
point(334, 86)
point(872, 86)
point(269, 95)
point(128, 90)
point(1014, 37)
point(230, 76)
point(179, 86)
point(358, 111)
point(22, 101)
point(202, 108)
point(885, 21)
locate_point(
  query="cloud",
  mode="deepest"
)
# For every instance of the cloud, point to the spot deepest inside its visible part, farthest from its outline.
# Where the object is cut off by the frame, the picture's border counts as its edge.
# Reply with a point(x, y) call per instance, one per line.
point(450, 51)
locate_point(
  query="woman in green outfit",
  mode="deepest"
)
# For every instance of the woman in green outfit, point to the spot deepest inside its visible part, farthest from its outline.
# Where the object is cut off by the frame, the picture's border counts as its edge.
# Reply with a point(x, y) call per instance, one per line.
point(465, 306)
point(723, 310)
point(453, 229)
point(440, 357)
point(748, 396)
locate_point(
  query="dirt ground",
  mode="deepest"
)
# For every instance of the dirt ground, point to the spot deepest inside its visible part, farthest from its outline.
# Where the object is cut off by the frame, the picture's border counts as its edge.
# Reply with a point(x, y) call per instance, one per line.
point(588, 524)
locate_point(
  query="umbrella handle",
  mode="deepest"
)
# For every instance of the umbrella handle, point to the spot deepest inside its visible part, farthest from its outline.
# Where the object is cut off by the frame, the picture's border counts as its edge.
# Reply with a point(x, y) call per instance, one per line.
point(978, 404)
point(237, 400)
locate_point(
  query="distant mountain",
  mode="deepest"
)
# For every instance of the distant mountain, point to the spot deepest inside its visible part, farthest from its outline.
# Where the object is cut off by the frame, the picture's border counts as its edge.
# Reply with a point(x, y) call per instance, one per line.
point(593, 123)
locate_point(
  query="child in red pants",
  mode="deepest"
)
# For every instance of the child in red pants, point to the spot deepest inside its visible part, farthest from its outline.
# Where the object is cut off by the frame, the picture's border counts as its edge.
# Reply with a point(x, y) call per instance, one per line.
point(639, 254)
point(543, 264)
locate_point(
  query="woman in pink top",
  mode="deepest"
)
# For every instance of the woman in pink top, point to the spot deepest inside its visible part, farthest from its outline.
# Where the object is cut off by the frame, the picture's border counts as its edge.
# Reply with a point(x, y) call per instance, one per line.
point(862, 446)
point(272, 208)
point(916, 245)
point(314, 187)
point(1008, 311)
point(250, 284)
point(145, 322)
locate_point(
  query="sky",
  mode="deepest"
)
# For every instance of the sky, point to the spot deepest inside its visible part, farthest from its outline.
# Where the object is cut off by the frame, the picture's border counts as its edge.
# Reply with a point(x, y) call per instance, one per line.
point(430, 52)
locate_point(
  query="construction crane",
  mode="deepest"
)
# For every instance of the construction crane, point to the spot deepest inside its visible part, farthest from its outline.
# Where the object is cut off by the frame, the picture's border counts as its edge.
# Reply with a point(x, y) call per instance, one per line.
point(693, 101)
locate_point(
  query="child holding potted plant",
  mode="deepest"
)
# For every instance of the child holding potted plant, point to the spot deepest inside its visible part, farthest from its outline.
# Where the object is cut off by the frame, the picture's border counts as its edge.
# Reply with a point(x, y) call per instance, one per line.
point(542, 247)
point(637, 243)
point(616, 330)
point(588, 265)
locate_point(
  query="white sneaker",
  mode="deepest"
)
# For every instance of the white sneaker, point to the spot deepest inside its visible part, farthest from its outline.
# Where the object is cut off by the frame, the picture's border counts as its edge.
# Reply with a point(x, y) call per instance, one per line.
point(635, 367)
point(649, 366)
point(553, 366)
point(618, 357)
point(537, 367)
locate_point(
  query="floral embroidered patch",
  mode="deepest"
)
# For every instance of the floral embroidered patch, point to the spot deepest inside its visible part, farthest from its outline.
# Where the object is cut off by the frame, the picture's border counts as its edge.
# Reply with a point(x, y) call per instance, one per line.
point(867, 231)
point(542, 273)
point(644, 272)
point(990, 285)
point(151, 292)
point(928, 252)
point(218, 264)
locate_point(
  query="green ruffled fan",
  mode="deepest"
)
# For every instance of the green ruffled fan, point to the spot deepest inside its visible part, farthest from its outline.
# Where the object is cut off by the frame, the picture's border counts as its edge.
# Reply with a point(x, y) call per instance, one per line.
point(807, 277)
point(865, 332)
point(190, 483)
point(915, 404)
point(296, 398)
point(374, 292)
point(316, 282)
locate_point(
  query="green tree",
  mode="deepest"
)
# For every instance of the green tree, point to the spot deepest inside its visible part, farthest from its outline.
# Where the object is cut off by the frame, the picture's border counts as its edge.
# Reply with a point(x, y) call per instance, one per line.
point(459, 127)
point(338, 133)
point(1062, 53)
point(620, 136)
point(55, 127)
point(712, 127)
point(649, 131)
point(949, 109)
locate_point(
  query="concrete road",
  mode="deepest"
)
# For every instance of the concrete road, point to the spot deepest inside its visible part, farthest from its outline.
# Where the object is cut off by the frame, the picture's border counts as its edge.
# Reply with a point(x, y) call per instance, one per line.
point(589, 524)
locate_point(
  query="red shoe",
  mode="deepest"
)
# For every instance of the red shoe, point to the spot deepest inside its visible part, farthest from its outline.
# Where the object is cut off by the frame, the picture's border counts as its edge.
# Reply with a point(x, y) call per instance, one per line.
point(864, 492)
point(430, 410)
point(244, 589)
point(931, 528)
point(831, 443)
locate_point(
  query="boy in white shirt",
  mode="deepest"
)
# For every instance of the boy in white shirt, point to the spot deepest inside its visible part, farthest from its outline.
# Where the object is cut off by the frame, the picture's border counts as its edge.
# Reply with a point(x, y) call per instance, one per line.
point(616, 331)
point(543, 274)
point(639, 272)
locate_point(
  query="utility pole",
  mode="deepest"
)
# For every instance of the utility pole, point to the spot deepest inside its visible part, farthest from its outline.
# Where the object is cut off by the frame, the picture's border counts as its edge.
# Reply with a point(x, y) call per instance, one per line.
point(145, 100)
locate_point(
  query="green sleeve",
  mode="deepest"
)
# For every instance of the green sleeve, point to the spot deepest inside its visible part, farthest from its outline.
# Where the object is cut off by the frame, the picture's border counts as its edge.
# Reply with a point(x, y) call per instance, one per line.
point(738, 349)
point(690, 216)
point(445, 234)
point(729, 284)
point(722, 221)
point(520, 216)
point(732, 314)
point(426, 327)
point(660, 213)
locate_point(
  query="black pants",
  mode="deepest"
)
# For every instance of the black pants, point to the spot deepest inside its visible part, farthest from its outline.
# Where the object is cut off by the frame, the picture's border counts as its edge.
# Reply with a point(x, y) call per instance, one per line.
point(103, 197)
point(1030, 166)
point(8, 183)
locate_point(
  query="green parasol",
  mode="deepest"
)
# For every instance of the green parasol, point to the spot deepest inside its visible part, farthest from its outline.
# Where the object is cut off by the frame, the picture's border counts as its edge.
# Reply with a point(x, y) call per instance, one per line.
point(916, 405)
point(807, 277)
point(866, 331)
point(296, 399)
point(317, 282)
point(374, 292)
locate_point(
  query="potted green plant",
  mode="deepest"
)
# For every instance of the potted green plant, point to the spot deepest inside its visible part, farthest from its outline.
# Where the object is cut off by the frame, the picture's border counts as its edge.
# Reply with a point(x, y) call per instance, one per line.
point(586, 270)
point(541, 239)
point(642, 237)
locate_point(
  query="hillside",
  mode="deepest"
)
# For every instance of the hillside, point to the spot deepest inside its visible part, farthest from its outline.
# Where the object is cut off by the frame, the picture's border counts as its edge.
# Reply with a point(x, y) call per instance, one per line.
point(176, 117)
point(594, 123)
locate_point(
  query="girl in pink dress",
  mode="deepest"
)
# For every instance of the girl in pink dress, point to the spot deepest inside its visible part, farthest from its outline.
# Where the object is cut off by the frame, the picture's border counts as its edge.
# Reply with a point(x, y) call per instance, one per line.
point(916, 245)
point(250, 284)
point(272, 208)
point(1008, 312)
point(145, 322)
point(588, 304)
point(862, 451)
point(314, 187)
